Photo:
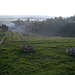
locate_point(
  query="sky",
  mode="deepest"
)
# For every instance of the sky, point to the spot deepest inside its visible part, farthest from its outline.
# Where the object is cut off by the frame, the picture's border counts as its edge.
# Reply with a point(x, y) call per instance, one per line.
point(56, 8)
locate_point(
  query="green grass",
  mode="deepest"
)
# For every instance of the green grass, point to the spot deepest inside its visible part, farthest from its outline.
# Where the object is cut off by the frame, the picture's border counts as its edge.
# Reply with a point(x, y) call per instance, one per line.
point(48, 57)
point(1, 36)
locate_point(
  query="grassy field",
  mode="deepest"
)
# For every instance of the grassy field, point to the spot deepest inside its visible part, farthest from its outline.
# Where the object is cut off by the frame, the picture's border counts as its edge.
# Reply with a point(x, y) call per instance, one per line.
point(48, 57)
point(1, 36)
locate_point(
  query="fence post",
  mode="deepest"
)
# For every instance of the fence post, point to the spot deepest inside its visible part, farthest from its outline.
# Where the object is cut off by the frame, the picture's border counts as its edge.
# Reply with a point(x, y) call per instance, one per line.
point(10, 35)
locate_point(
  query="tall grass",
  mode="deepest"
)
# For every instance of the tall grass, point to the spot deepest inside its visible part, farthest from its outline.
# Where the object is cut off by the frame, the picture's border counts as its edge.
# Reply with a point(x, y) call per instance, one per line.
point(48, 57)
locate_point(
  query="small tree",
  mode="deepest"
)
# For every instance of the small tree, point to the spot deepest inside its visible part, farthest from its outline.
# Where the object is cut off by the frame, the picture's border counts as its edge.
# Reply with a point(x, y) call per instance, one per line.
point(4, 27)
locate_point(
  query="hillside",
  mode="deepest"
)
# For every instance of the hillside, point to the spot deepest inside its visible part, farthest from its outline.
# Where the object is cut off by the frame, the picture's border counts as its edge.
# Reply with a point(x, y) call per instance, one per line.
point(48, 57)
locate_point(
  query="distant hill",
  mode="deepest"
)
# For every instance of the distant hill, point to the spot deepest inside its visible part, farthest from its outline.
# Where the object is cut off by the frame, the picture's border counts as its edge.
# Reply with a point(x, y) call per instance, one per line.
point(25, 16)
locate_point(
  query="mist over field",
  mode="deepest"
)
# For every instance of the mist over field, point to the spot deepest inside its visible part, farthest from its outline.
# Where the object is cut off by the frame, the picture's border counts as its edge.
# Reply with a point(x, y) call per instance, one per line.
point(18, 23)
point(40, 25)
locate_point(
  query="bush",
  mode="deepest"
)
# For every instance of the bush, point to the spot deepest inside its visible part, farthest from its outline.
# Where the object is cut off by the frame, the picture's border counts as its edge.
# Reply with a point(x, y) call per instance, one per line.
point(4, 28)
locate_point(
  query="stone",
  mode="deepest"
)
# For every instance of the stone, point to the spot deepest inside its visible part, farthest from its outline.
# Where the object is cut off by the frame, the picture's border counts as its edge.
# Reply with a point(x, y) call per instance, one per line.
point(27, 48)
point(70, 51)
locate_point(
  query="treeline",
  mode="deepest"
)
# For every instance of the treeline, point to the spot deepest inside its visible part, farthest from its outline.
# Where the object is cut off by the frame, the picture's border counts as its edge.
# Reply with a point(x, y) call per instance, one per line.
point(3, 28)
point(57, 26)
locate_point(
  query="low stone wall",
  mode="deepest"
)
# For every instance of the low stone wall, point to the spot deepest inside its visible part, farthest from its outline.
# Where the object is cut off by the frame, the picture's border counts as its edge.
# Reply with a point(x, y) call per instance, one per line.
point(2, 40)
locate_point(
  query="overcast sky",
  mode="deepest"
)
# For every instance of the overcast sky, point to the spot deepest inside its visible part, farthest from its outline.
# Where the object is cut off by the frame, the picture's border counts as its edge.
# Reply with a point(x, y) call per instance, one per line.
point(38, 7)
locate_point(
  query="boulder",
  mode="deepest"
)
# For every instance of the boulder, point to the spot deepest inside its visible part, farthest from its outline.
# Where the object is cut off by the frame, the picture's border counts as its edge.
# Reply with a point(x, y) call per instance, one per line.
point(27, 48)
point(70, 51)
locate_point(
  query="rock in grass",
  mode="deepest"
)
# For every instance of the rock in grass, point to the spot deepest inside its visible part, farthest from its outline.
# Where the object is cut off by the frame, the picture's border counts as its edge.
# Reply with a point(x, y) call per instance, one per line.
point(27, 48)
point(70, 51)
